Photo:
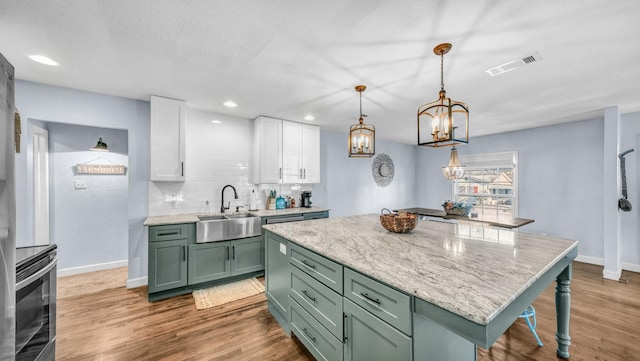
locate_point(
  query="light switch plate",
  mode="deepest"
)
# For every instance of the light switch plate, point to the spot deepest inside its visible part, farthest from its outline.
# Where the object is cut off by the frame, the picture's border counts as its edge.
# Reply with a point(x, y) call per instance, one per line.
point(283, 248)
point(80, 184)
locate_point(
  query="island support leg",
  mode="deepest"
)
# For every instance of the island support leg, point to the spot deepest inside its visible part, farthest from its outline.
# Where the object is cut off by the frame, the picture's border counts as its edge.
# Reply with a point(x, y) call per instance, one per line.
point(563, 311)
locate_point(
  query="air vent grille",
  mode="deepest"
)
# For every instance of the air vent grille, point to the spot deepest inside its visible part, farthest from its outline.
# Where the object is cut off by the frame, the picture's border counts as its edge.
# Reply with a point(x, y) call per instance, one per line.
point(515, 64)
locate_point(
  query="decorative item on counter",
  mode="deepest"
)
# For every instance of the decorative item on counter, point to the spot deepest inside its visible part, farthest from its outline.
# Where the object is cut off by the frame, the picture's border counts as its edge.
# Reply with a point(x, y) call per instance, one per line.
point(280, 203)
point(271, 201)
point(458, 208)
point(400, 222)
point(293, 202)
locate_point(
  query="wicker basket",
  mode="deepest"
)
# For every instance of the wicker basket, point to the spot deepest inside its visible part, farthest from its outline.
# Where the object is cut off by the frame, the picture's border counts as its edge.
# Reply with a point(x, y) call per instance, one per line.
point(398, 223)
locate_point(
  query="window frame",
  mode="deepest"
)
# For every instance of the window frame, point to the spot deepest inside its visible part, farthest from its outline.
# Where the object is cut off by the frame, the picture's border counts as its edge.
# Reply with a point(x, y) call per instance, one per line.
point(491, 161)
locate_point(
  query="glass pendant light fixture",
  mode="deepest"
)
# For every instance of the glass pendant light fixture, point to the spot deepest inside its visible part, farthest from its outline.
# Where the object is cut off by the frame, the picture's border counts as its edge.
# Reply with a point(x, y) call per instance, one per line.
point(454, 170)
point(439, 121)
point(362, 137)
point(101, 146)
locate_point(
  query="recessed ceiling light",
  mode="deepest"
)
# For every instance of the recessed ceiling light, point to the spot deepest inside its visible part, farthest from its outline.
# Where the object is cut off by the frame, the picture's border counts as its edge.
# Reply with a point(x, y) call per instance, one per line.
point(42, 59)
point(309, 117)
point(216, 121)
point(230, 104)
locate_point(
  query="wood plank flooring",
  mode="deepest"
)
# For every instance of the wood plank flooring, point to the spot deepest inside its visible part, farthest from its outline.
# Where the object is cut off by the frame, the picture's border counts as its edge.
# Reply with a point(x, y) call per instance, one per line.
point(119, 324)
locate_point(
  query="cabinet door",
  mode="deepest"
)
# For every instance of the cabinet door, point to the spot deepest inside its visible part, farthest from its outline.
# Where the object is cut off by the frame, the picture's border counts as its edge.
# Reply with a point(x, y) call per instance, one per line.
point(209, 261)
point(267, 150)
point(168, 124)
point(277, 274)
point(370, 339)
point(167, 265)
point(247, 255)
point(310, 153)
point(292, 171)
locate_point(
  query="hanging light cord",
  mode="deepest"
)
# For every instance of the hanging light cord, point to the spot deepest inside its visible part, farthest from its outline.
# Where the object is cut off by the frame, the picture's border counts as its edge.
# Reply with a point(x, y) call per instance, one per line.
point(361, 120)
point(441, 70)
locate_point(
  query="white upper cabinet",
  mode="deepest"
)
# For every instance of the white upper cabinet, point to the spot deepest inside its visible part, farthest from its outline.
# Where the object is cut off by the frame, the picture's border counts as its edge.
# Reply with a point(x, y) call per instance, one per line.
point(267, 150)
point(291, 151)
point(310, 154)
point(286, 152)
point(168, 124)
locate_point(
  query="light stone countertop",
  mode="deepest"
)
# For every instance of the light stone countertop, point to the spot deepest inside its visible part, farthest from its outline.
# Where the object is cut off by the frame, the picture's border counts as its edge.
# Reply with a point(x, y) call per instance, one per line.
point(437, 262)
point(193, 217)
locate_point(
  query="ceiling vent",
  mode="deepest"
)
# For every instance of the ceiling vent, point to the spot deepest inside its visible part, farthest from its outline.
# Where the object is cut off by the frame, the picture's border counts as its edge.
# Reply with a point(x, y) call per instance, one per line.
point(515, 64)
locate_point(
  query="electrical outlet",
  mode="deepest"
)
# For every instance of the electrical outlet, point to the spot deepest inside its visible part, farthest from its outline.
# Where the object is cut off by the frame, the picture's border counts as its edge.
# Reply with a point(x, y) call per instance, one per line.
point(80, 184)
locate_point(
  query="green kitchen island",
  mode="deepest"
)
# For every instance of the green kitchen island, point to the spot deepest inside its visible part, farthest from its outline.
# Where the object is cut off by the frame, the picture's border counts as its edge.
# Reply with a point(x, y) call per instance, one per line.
point(350, 290)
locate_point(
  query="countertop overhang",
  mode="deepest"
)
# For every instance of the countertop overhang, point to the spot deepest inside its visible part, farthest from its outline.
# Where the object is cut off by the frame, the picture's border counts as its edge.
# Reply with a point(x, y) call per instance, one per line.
point(472, 273)
point(193, 217)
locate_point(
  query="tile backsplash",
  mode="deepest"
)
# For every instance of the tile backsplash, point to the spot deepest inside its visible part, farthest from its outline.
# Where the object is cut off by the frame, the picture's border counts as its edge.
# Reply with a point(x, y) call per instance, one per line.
point(217, 154)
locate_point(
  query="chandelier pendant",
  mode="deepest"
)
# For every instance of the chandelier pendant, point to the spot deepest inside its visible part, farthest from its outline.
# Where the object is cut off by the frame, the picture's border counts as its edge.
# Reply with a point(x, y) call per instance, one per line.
point(439, 121)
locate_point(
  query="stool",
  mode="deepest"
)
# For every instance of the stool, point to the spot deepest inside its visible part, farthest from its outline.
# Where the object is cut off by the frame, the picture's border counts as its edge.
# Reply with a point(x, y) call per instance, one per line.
point(527, 314)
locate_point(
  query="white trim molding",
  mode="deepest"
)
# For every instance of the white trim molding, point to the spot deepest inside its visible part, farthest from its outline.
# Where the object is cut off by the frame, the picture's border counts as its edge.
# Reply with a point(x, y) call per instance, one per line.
point(92, 268)
point(137, 282)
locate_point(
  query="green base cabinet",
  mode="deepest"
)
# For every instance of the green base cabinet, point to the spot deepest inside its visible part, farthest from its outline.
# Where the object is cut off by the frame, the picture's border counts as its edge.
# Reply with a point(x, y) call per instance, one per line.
point(247, 255)
point(367, 338)
point(168, 256)
point(178, 265)
point(208, 262)
point(277, 277)
point(217, 260)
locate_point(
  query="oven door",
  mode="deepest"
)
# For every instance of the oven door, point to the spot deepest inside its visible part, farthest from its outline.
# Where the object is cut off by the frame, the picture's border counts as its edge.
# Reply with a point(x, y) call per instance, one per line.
point(36, 314)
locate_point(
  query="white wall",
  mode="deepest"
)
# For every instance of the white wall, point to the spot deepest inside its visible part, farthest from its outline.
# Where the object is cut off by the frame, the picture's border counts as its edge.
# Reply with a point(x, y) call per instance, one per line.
point(88, 225)
point(63, 105)
point(347, 185)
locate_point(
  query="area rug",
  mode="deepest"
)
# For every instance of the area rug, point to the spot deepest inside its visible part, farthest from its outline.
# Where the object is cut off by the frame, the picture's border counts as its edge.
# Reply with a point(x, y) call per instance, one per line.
point(218, 295)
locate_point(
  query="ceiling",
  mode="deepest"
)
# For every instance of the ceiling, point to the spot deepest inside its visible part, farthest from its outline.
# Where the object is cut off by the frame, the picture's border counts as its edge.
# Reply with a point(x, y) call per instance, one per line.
point(291, 58)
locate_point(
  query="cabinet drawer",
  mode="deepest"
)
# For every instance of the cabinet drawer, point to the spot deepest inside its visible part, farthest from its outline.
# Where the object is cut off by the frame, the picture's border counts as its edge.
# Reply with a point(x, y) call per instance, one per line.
point(390, 305)
point(316, 215)
point(168, 232)
point(369, 338)
point(320, 342)
point(317, 299)
point(320, 268)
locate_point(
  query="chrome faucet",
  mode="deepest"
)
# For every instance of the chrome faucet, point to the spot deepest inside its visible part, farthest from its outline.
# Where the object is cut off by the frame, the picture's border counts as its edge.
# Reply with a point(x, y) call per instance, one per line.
point(235, 194)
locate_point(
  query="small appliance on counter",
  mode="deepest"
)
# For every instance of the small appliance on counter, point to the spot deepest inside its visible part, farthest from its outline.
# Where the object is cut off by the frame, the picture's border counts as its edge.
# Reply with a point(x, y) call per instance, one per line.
point(305, 199)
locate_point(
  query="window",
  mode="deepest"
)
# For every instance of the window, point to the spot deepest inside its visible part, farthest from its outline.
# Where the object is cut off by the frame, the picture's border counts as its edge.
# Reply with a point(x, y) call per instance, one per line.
point(490, 181)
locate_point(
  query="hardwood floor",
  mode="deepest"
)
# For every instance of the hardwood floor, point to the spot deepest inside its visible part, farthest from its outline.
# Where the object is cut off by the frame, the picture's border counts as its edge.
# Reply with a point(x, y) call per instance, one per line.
point(119, 324)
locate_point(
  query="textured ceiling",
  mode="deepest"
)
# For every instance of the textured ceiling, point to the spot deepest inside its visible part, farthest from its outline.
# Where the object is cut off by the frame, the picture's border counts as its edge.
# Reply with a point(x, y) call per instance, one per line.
point(292, 58)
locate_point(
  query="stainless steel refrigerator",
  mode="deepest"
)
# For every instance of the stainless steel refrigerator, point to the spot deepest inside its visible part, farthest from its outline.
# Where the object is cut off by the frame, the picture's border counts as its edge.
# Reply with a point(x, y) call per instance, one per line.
point(7, 213)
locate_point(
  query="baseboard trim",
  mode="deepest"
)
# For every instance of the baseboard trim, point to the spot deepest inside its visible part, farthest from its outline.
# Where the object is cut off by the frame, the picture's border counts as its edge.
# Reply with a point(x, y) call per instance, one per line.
point(590, 260)
point(631, 267)
point(91, 268)
point(137, 282)
point(626, 266)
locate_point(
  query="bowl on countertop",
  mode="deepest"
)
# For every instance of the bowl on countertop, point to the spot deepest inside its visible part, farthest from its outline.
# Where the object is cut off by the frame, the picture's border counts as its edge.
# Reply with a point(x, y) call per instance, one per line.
point(400, 222)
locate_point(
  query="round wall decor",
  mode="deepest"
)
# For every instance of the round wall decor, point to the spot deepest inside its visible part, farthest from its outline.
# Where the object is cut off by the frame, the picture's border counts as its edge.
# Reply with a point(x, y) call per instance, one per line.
point(382, 170)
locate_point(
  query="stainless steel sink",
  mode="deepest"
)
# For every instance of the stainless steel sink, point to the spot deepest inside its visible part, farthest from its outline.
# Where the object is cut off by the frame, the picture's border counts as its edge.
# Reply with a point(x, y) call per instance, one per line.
point(215, 228)
point(241, 215)
point(211, 218)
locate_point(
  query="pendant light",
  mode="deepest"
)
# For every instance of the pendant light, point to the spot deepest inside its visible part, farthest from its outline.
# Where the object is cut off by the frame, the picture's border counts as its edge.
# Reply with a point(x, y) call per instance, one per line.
point(362, 137)
point(439, 121)
point(454, 170)
point(101, 146)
